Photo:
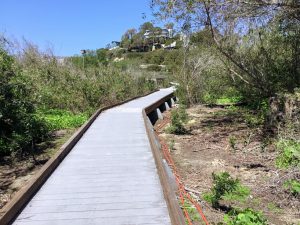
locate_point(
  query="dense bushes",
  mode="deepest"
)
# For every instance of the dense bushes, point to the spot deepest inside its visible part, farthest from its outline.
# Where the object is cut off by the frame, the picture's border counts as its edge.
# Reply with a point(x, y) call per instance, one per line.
point(39, 93)
point(256, 46)
point(20, 128)
point(269, 55)
point(201, 74)
point(64, 86)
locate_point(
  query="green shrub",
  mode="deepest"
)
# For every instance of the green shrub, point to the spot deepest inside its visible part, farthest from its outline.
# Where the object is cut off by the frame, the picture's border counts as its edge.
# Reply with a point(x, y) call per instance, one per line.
point(227, 188)
point(232, 142)
point(20, 128)
point(178, 118)
point(155, 57)
point(183, 114)
point(245, 217)
point(181, 94)
point(293, 186)
point(289, 153)
point(253, 120)
point(134, 55)
point(192, 211)
point(172, 144)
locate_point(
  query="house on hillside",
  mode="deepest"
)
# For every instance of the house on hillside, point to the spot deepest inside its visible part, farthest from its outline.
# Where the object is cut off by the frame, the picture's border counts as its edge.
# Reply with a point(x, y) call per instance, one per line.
point(157, 39)
point(163, 33)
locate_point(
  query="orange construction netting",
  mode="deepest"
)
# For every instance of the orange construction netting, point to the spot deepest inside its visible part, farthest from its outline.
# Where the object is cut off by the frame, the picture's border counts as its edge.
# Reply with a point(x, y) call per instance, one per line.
point(183, 194)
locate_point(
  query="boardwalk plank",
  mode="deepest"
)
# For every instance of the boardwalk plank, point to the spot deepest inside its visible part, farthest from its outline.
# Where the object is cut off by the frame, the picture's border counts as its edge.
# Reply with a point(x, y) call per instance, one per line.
point(109, 177)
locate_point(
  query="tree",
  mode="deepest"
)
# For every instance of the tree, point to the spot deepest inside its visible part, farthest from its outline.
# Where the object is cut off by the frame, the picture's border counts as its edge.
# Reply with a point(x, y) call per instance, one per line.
point(169, 25)
point(131, 32)
point(241, 31)
point(127, 37)
point(102, 55)
point(146, 26)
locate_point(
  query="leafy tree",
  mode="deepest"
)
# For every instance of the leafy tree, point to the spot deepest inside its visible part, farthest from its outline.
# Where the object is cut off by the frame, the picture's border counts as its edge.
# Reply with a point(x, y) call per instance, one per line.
point(169, 25)
point(127, 37)
point(249, 35)
point(146, 26)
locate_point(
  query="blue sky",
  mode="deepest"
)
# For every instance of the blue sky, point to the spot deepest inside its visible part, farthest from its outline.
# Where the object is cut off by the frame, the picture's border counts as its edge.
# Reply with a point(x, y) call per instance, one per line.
point(71, 25)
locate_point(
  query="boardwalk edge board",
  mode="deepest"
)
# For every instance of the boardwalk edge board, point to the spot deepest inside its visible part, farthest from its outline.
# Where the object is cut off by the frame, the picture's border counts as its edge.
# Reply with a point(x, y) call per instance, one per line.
point(11, 210)
point(175, 211)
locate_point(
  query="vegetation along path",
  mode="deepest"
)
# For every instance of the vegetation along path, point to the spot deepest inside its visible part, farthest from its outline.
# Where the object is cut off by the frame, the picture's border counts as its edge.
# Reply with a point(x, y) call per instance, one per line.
point(229, 164)
point(109, 177)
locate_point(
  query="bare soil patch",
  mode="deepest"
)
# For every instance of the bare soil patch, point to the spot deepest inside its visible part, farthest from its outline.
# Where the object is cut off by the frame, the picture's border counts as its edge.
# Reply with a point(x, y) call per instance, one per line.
point(220, 140)
point(16, 172)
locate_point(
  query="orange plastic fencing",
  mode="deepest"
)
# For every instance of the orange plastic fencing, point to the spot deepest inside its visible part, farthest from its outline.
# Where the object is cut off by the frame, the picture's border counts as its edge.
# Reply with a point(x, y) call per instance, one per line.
point(183, 194)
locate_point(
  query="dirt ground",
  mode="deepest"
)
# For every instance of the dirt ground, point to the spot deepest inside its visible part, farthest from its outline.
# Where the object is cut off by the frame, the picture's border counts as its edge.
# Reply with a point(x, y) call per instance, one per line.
point(220, 140)
point(16, 172)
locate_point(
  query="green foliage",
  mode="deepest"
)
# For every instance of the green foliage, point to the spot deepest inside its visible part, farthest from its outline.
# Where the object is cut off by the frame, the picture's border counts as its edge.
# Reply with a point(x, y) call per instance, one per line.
point(92, 58)
point(293, 186)
point(181, 93)
point(192, 211)
point(61, 119)
point(102, 56)
point(253, 120)
point(156, 57)
point(172, 144)
point(232, 142)
point(183, 115)
point(256, 114)
point(274, 208)
point(178, 118)
point(71, 88)
point(173, 60)
point(289, 153)
point(20, 128)
point(245, 217)
point(239, 194)
point(156, 68)
point(227, 188)
point(202, 76)
point(258, 61)
point(39, 93)
point(202, 37)
point(134, 55)
point(228, 100)
point(273, 52)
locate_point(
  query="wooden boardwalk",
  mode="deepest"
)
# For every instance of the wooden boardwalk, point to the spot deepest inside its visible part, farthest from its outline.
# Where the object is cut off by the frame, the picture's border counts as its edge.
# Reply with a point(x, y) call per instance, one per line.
point(109, 177)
